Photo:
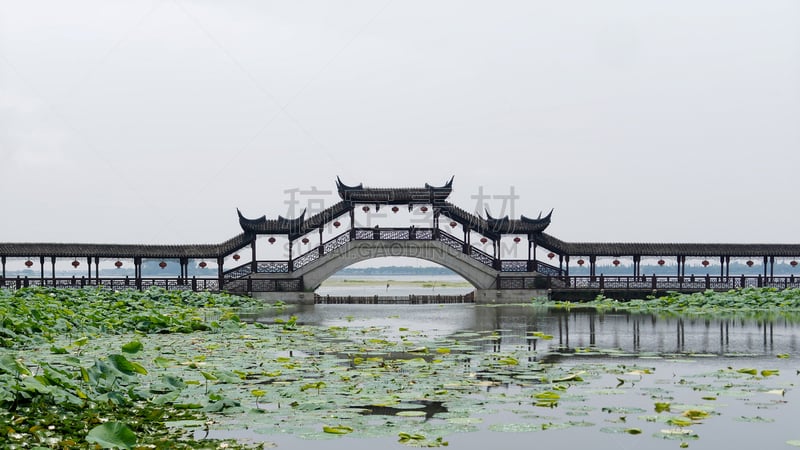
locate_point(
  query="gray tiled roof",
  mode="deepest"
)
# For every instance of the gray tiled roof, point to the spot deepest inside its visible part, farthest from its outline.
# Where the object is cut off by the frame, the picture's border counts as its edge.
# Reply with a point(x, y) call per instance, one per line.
point(125, 250)
point(665, 249)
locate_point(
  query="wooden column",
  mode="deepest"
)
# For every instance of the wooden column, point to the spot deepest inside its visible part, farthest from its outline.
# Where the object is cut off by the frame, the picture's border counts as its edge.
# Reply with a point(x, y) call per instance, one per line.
point(89, 267)
point(3, 263)
point(291, 263)
point(41, 263)
point(53, 267)
point(97, 268)
point(721, 266)
point(253, 259)
point(566, 259)
point(765, 267)
point(352, 223)
point(637, 264)
point(771, 266)
point(592, 266)
point(321, 246)
point(220, 271)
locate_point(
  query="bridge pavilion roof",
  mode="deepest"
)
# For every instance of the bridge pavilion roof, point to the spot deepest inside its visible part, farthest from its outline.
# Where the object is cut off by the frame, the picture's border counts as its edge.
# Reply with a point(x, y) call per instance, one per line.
point(294, 228)
point(495, 227)
point(26, 250)
point(666, 249)
point(428, 194)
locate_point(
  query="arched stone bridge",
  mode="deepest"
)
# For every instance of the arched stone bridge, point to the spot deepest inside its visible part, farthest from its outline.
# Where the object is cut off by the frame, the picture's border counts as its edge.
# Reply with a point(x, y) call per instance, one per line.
point(264, 260)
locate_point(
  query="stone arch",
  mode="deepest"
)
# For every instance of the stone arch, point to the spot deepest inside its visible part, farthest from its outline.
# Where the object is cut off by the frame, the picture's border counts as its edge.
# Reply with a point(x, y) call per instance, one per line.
point(477, 274)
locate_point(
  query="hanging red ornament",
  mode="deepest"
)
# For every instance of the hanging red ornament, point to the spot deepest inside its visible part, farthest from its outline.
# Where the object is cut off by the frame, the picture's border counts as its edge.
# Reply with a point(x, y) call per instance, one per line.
point(615, 262)
point(581, 262)
point(395, 209)
point(337, 224)
point(750, 263)
point(162, 264)
point(236, 257)
point(705, 263)
point(661, 262)
point(365, 208)
point(793, 263)
point(75, 264)
point(424, 209)
point(202, 264)
point(305, 240)
point(28, 263)
point(551, 255)
point(517, 240)
point(484, 240)
point(118, 264)
point(271, 240)
point(453, 224)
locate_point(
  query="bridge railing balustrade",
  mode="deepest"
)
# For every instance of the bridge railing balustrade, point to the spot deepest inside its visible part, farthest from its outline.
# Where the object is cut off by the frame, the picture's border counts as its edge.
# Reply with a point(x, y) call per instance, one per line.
point(547, 269)
point(514, 265)
point(481, 256)
point(679, 283)
point(451, 241)
point(272, 266)
point(336, 243)
point(306, 258)
point(238, 272)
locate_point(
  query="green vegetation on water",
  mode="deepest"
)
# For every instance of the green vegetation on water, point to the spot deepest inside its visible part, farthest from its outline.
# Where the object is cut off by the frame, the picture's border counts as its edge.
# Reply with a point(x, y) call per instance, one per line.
point(71, 375)
point(762, 301)
point(98, 369)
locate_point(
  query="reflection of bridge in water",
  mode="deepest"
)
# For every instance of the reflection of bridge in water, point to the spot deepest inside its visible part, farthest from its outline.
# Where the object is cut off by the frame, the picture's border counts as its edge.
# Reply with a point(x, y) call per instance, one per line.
point(620, 333)
point(314, 248)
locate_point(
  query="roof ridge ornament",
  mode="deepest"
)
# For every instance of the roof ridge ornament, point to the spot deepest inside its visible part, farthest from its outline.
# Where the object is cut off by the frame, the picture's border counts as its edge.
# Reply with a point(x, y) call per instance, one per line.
point(428, 194)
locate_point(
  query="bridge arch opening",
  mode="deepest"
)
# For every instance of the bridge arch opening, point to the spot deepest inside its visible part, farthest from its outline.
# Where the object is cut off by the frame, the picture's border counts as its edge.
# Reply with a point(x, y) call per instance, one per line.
point(395, 277)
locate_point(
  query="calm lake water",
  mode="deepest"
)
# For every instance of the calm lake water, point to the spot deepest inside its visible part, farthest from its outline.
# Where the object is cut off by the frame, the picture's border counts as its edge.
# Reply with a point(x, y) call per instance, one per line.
point(631, 361)
point(393, 285)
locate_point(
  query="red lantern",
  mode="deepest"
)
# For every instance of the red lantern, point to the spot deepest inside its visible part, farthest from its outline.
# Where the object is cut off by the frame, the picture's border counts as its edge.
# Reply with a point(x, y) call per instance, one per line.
point(517, 239)
point(395, 209)
point(793, 263)
point(615, 262)
point(75, 264)
point(202, 264)
point(162, 264)
point(28, 263)
point(236, 257)
point(581, 262)
point(424, 209)
point(551, 255)
point(484, 240)
point(271, 240)
point(365, 208)
point(305, 240)
point(750, 263)
point(453, 224)
point(705, 263)
point(661, 262)
point(118, 264)
point(337, 224)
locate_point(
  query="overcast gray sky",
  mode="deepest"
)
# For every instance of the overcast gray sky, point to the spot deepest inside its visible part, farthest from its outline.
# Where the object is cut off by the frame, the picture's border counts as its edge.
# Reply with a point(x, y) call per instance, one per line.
point(152, 121)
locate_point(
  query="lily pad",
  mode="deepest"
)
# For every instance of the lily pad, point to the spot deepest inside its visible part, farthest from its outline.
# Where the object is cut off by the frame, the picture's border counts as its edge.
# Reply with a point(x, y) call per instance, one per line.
point(112, 435)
